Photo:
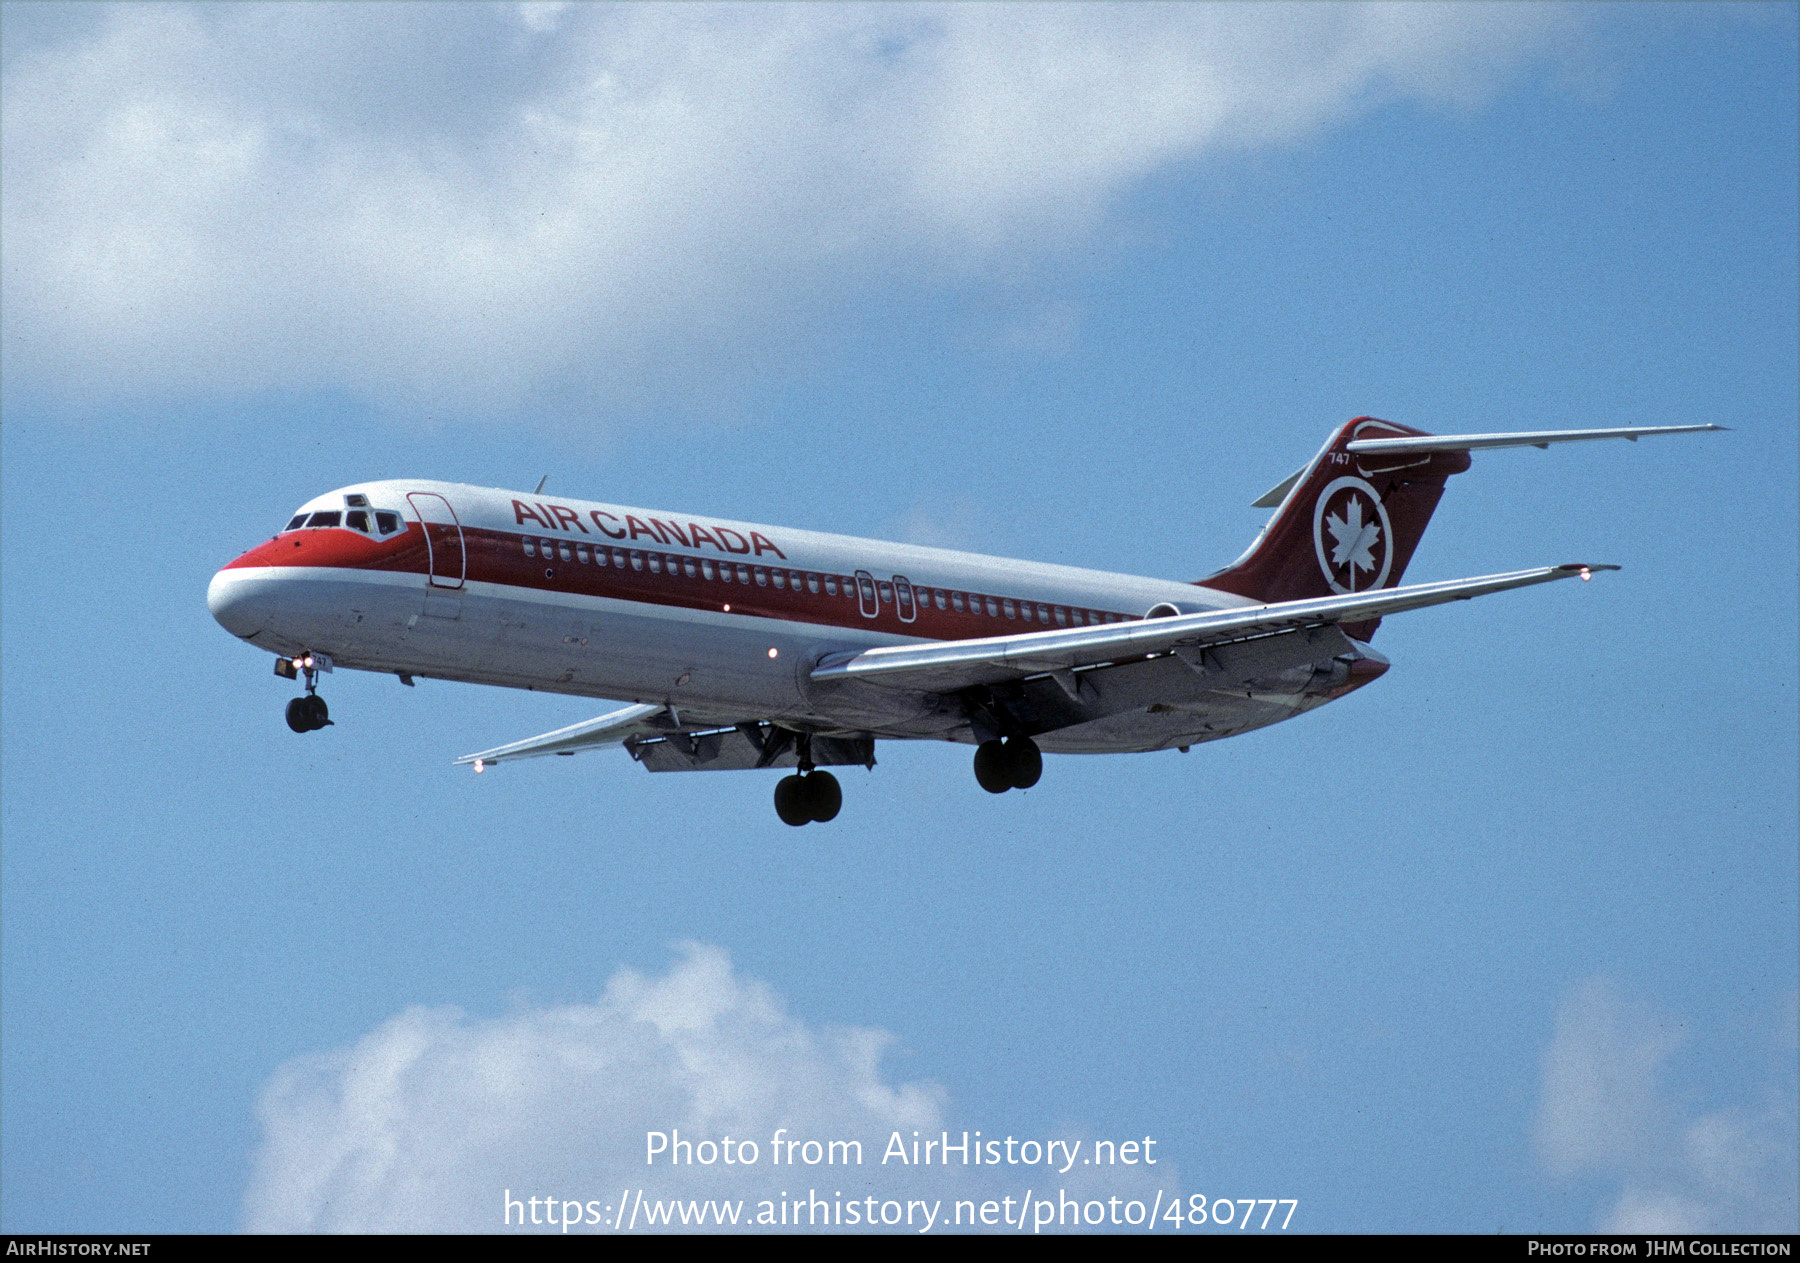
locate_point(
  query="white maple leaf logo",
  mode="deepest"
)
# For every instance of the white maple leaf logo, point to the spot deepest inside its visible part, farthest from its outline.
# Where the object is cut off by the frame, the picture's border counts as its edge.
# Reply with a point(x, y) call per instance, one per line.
point(1353, 539)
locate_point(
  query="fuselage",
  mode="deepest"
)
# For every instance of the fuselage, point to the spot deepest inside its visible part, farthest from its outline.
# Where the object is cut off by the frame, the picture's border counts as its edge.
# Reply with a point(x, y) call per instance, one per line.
point(717, 619)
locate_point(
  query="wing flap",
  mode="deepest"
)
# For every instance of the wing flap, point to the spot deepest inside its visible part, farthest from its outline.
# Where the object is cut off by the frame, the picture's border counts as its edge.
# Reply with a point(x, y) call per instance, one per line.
point(949, 665)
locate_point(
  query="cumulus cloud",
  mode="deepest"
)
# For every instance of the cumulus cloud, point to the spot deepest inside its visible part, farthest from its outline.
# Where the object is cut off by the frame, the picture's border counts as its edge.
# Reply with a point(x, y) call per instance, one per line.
point(426, 1123)
point(483, 209)
point(423, 1123)
point(1604, 1112)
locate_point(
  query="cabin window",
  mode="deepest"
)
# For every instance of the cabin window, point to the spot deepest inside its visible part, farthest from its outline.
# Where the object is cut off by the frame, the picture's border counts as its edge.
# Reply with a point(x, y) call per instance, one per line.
point(600, 552)
point(1062, 617)
point(568, 554)
point(812, 583)
point(296, 522)
point(939, 599)
point(357, 520)
point(956, 602)
point(581, 553)
point(690, 567)
point(324, 519)
point(655, 562)
point(1025, 610)
point(887, 592)
point(762, 576)
point(708, 571)
point(530, 547)
point(743, 574)
point(830, 585)
point(780, 579)
point(1008, 607)
point(387, 523)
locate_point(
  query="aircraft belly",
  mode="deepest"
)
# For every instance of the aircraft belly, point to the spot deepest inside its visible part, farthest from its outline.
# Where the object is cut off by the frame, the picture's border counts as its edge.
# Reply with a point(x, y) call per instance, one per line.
point(603, 649)
point(1149, 706)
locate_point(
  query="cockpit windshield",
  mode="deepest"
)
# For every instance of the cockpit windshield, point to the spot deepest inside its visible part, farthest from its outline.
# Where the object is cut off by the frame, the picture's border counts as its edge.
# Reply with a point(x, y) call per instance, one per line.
point(357, 518)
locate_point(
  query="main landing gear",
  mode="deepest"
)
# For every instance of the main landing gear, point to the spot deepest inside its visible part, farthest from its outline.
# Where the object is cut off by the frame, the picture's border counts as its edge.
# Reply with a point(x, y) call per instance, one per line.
point(309, 713)
point(1015, 763)
point(810, 795)
point(807, 797)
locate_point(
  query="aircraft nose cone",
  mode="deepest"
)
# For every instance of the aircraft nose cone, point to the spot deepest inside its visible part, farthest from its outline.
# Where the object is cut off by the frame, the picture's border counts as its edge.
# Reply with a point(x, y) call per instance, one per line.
point(237, 605)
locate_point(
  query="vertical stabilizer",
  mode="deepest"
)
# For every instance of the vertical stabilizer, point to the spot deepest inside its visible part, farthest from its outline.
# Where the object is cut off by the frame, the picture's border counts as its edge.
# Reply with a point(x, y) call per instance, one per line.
point(1347, 523)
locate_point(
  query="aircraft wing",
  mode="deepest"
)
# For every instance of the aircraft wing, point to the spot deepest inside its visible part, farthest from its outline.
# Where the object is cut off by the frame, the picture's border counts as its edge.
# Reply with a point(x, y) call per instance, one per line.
point(608, 730)
point(949, 665)
point(660, 739)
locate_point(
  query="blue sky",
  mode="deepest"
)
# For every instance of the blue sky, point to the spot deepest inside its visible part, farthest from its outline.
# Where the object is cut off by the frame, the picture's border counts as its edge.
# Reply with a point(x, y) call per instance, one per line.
point(1507, 940)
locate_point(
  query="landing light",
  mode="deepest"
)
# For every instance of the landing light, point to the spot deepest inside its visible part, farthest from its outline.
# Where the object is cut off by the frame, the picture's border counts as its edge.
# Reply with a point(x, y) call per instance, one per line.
point(774, 652)
point(480, 766)
point(1586, 574)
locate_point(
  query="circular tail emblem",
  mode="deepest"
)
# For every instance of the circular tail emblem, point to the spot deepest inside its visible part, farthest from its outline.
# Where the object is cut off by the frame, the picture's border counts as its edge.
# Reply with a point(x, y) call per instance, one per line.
point(1352, 536)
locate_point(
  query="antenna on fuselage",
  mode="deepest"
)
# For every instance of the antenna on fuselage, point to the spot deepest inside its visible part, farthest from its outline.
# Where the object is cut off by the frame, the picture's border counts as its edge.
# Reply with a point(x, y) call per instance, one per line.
point(539, 489)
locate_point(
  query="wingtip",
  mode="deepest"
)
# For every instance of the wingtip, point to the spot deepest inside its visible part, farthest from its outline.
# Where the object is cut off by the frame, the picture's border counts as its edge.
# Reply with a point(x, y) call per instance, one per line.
point(1585, 569)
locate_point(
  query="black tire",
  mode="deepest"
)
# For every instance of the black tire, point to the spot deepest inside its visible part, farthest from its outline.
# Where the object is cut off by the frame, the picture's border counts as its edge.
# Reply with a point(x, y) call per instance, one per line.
point(791, 801)
point(993, 770)
point(297, 717)
point(1026, 762)
point(824, 795)
point(317, 713)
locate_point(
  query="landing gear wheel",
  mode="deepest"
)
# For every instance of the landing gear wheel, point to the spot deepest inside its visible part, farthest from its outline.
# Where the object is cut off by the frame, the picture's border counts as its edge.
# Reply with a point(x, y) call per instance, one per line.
point(823, 795)
point(1025, 761)
point(792, 802)
point(308, 714)
point(316, 710)
point(993, 770)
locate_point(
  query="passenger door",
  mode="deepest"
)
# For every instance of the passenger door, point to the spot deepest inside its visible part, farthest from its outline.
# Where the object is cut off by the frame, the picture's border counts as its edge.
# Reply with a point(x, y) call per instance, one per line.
point(447, 554)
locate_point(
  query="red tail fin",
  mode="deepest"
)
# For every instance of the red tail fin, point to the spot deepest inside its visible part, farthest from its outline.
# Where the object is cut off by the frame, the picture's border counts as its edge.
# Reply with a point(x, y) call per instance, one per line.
point(1347, 524)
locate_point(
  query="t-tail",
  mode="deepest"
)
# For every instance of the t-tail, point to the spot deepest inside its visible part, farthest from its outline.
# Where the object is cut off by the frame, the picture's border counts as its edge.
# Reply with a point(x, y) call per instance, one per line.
point(1350, 520)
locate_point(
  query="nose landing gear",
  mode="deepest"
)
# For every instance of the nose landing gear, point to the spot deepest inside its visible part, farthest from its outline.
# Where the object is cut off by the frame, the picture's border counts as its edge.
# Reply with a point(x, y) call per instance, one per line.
point(810, 795)
point(309, 713)
point(1015, 763)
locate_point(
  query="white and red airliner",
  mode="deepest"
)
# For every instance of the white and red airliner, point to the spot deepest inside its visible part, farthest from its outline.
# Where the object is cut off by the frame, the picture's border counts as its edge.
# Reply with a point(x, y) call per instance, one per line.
point(748, 646)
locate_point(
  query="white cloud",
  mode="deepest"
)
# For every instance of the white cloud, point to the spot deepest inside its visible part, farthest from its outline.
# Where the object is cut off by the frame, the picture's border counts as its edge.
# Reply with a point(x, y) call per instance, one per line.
point(1604, 1112)
point(481, 209)
point(426, 1123)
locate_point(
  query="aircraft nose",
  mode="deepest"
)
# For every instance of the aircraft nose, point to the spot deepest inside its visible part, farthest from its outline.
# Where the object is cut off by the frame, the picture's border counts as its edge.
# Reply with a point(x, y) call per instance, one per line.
point(237, 602)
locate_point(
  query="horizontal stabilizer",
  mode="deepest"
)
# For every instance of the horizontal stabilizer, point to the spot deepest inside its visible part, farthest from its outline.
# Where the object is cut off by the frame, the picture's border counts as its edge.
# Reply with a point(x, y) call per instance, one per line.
point(1273, 497)
point(1530, 438)
point(948, 665)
